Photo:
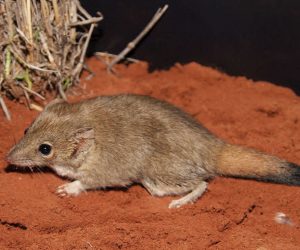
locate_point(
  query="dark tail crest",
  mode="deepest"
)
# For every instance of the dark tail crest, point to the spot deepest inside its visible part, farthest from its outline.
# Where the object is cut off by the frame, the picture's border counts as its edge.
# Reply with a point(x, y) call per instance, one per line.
point(240, 162)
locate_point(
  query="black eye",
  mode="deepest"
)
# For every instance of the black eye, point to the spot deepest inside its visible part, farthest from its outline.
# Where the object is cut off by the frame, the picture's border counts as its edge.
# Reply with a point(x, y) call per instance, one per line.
point(25, 131)
point(45, 149)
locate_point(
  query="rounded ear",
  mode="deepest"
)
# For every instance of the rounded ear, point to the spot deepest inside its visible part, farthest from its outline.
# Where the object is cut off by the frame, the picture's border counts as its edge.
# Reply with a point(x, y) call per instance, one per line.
point(85, 133)
point(85, 139)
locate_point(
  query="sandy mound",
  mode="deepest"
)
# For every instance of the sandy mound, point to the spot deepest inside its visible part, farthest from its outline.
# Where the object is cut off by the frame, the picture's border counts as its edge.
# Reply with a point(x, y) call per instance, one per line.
point(233, 214)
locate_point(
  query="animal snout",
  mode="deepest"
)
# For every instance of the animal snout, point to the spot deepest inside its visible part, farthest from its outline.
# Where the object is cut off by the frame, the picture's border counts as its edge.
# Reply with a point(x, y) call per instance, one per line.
point(9, 158)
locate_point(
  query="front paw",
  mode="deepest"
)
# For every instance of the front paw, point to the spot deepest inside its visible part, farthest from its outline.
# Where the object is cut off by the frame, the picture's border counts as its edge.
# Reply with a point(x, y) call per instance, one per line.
point(70, 189)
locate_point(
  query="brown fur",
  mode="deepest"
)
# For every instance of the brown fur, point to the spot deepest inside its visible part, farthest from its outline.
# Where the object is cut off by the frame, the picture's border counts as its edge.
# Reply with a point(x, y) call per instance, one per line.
point(238, 161)
point(119, 140)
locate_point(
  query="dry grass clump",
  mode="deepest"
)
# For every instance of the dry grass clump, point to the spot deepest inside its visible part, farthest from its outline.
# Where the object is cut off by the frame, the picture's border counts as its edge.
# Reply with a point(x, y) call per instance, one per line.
point(42, 47)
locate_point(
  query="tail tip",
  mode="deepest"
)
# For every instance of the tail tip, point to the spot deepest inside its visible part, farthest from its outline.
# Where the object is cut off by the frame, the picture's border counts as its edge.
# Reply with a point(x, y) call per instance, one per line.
point(294, 174)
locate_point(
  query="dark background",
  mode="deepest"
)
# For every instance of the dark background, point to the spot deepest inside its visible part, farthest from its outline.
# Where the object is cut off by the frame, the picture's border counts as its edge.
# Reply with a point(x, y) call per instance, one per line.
point(259, 39)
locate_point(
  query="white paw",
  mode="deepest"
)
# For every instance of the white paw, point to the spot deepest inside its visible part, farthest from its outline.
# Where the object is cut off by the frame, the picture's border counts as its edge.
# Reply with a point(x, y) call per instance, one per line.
point(175, 204)
point(70, 189)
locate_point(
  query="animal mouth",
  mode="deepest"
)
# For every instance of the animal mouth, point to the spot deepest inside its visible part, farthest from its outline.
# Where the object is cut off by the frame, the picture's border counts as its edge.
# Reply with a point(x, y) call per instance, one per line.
point(21, 162)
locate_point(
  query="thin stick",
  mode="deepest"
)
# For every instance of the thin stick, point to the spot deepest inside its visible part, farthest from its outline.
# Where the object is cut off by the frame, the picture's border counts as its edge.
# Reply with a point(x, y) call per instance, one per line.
point(82, 10)
point(31, 92)
point(5, 109)
point(29, 24)
point(36, 107)
point(88, 21)
point(61, 91)
point(79, 66)
point(105, 54)
point(133, 43)
point(45, 14)
point(84, 49)
point(21, 33)
point(27, 98)
point(56, 11)
point(46, 48)
point(22, 61)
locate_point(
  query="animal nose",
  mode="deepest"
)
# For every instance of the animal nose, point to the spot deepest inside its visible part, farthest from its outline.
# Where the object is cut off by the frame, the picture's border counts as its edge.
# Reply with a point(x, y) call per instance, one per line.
point(10, 156)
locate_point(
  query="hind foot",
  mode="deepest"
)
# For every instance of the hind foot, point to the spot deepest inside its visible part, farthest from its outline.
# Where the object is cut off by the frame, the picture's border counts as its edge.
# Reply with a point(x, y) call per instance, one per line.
point(190, 197)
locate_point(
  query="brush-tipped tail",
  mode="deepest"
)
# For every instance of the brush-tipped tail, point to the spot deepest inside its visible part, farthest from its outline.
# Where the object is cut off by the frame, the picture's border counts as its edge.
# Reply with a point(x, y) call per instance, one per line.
point(240, 162)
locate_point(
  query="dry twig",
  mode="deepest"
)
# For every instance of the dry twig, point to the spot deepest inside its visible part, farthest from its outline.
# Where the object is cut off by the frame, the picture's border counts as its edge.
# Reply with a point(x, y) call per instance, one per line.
point(109, 57)
point(5, 109)
point(132, 44)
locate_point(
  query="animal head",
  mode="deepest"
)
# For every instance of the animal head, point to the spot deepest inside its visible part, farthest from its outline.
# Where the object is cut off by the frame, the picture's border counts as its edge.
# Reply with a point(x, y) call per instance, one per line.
point(57, 137)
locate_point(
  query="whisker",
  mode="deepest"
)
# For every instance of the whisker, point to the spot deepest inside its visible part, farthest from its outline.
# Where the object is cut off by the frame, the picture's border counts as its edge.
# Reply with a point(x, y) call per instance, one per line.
point(40, 171)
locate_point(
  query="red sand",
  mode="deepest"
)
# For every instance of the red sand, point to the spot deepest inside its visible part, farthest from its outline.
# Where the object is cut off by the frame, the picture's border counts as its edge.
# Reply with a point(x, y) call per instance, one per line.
point(233, 214)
